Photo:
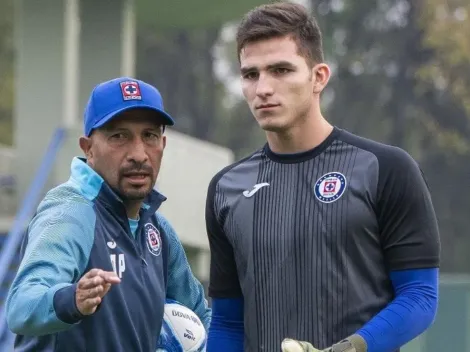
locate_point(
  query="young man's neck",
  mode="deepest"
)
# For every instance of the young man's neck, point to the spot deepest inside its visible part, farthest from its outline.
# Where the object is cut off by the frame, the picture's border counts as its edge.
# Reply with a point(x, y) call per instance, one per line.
point(300, 138)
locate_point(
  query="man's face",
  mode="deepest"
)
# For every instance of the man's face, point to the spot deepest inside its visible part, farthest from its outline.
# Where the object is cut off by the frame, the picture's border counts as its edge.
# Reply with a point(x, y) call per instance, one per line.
point(127, 152)
point(277, 83)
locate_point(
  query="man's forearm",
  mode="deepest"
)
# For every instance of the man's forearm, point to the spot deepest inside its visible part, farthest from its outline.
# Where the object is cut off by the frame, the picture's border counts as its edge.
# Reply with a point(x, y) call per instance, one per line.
point(408, 315)
point(32, 310)
point(226, 332)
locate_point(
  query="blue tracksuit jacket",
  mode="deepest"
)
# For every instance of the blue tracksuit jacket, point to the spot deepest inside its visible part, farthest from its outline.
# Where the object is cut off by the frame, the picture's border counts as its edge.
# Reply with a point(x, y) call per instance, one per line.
point(81, 225)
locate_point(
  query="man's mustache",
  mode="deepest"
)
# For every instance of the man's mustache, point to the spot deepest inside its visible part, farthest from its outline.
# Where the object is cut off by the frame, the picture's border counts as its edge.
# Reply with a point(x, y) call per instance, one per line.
point(137, 168)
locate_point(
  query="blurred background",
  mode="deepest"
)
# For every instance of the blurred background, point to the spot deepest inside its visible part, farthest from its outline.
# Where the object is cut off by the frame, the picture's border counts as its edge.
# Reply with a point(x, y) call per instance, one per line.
point(401, 75)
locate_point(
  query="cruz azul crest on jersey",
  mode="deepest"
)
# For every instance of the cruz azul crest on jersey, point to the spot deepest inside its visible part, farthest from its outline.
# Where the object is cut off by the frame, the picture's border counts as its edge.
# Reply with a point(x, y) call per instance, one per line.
point(154, 241)
point(330, 187)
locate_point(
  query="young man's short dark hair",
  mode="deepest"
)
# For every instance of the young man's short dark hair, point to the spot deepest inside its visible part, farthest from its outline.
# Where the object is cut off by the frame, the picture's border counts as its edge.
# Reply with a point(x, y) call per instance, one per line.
point(279, 20)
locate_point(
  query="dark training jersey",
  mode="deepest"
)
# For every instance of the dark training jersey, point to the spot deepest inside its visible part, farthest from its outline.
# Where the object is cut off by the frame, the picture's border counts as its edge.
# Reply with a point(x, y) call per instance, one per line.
point(308, 240)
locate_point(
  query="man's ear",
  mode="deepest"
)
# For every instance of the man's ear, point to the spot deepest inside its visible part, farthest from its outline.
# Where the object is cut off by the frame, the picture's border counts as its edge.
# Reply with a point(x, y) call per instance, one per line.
point(85, 146)
point(322, 75)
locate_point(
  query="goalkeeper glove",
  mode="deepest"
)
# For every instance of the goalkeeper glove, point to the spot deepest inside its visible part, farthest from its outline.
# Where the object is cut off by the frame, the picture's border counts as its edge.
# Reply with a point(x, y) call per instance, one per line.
point(289, 345)
point(354, 343)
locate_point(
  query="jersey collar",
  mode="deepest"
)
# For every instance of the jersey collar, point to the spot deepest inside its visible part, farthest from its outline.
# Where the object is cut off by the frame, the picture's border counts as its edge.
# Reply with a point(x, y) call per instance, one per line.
point(303, 156)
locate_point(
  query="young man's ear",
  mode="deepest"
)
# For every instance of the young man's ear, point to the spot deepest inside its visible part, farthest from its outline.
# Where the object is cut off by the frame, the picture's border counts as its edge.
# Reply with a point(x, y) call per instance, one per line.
point(85, 146)
point(322, 76)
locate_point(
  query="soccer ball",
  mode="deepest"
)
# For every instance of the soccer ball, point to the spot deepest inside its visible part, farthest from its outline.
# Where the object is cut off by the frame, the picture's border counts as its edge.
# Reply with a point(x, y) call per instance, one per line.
point(182, 330)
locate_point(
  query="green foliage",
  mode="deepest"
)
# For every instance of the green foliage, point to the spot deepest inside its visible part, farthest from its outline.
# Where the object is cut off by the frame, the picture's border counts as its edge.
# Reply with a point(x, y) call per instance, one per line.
point(443, 82)
point(6, 72)
point(448, 70)
point(183, 14)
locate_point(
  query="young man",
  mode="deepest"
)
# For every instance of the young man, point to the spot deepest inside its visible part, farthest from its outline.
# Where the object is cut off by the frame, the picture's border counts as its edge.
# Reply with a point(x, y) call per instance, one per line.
point(98, 261)
point(320, 236)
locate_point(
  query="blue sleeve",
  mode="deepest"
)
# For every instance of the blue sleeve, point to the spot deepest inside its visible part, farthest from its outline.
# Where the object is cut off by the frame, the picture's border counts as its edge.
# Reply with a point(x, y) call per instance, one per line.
point(227, 330)
point(41, 299)
point(411, 312)
point(182, 285)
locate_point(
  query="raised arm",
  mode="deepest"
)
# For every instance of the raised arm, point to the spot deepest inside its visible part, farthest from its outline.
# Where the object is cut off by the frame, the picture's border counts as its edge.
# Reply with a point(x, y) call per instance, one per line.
point(41, 299)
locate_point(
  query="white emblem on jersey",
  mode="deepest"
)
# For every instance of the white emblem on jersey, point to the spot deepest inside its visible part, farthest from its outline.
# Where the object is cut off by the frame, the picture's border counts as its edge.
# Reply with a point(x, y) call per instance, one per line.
point(330, 187)
point(154, 242)
point(119, 263)
point(255, 189)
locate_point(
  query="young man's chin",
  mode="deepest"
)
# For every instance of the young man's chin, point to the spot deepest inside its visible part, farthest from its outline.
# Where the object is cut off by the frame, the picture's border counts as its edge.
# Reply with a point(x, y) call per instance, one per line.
point(272, 126)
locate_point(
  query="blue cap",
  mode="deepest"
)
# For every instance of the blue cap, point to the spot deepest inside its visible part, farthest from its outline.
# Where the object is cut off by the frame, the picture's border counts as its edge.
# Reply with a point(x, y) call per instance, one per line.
point(110, 98)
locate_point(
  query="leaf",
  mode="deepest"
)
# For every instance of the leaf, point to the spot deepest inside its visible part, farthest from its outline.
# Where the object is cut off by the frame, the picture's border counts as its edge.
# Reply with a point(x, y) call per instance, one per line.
point(186, 14)
point(446, 26)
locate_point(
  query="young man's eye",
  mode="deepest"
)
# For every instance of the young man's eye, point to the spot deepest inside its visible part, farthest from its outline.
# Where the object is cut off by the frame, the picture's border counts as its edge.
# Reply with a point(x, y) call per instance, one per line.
point(250, 75)
point(281, 70)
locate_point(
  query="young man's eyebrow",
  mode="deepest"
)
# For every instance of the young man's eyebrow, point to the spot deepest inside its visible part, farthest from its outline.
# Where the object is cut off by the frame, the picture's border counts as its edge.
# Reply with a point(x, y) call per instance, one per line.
point(278, 64)
point(247, 69)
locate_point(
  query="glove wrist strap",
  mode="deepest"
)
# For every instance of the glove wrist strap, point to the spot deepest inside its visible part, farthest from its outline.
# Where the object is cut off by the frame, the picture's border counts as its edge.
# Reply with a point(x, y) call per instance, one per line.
point(353, 343)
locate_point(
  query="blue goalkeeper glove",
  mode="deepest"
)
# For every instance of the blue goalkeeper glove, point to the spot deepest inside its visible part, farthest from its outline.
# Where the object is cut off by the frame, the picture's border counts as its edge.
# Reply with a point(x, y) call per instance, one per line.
point(354, 343)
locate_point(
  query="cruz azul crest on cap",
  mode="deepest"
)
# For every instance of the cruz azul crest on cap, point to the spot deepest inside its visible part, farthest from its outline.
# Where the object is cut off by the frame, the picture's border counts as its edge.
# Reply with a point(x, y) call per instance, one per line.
point(130, 90)
point(154, 241)
point(330, 187)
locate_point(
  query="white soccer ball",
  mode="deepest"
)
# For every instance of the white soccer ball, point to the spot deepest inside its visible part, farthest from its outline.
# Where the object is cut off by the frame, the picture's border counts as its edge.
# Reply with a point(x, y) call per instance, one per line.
point(182, 330)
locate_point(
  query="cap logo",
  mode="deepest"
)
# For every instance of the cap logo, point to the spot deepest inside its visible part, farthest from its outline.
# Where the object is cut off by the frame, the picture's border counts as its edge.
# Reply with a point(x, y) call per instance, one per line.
point(130, 90)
